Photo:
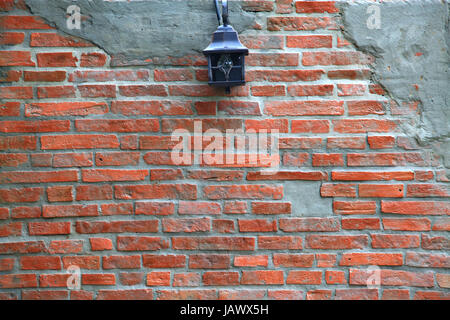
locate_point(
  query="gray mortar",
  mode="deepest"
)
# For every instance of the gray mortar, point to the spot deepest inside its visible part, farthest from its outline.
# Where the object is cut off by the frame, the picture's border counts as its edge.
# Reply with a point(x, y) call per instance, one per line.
point(133, 32)
point(407, 28)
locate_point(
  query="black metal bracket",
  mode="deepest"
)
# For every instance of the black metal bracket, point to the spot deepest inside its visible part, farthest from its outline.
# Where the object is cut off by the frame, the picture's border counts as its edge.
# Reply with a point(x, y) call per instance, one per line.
point(224, 19)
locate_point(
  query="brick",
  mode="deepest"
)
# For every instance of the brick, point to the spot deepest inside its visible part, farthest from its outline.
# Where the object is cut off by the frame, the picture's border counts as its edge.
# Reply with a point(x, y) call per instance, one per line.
point(356, 294)
point(155, 208)
point(56, 59)
point(335, 277)
point(316, 7)
point(143, 90)
point(407, 224)
point(44, 76)
point(262, 277)
point(18, 143)
point(220, 278)
point(158, 278)
point(114, 209)
point(22, 247)
point(309, 224)
point(368, 175)
point(39, 39)
point(93, 59)
point(15, 58)
point(416, 207)
point(90, 227)
point(59, 193)
point(209, 261)
point(300, 23)
point(67, 160)
point(10, 76)
point(385, 159)
point(100, 244)
point(20, 195)
point(40, 263)
point(131, 243)
point(363, 108)
point(310, 126)
point(163, 191)
point(213, 243)
point(336, 242)
point(379, 259)
point(239, 108)
point(273, 59)
point(56, 92)
point(327, 160)
point(13, 160)
point(257, 5)
point(89, 193)
point(190, 279)
point(338, 190)
point(349, 74)
point(283, 75)
point(268, 91)
point(11, 38)
point(121, 262)
point(163, 261)
point(76, 210)
point(380, 190)
point(48, 228)
point(97, 91)
point(251, 261)
point(65, 109)
point(304, 108)
point(393, 278)
point(131, 278)
point(257, 225)
point(363, 125)
point(10, 281)
point(280, 242)
point(186, 225)
point(427, 190)
point(395, 294)
point(9, 109)
point(137, 294)
point(312, 41)
point(23, 22)
point(427, 260)
point(66, 246)
point(361, 224)
point(319, 295)
point(12, 229)
point(103, 279)
point(304, 277)
point(310, 90)
point(194, 294)
point(340, 58)
point(16, 93)
point(157, 107)
point(79, 142)
point(395, 241)
point(293, 260)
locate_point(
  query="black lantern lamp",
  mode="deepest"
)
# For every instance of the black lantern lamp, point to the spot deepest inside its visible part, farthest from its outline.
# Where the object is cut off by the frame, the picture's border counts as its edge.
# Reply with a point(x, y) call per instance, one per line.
point(226, 54)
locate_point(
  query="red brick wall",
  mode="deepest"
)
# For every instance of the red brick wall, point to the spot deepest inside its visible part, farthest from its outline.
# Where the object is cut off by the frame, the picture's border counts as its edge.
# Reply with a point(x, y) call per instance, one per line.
point(87, 179)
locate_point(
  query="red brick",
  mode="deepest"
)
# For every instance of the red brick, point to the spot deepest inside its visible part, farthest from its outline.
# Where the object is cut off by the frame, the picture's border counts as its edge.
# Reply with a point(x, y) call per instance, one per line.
point(155, 208)
point(158, 278)
point(11, 38)
point(335, 277)
point(251, 261)
point(186, 225)
point(102, 279)
point(361, 223)
point(316, 7)
point(56, 92)
point(363, 108)
point(262, 277)
point(284, 75)
point(59, 193)
point(9, 281)
point(381, 190)
point(89, 193)
point(336, 242)
point(143, 90)
point(76, 210)
point(15, 58)
point(18, 143)
point(100, 244)
point(293, 260)
point(90, 227)
point(427, 190)
point(48, 228)
point(163, 191)
point(65, 109)
point(309, 224)
point(384, 241)
point(408, 224)
point(56, 40)
point(379, 259)
point(121, 262)
point(310, 126)
point(338, 190)
point(416, 207)
point(40, 263)
point(190, 279)
point(16, 92)
point(79, 142)
point(280, 243)
point(363, 126)
point(220, 278)
point(213, 243)
point(368, 175)
point(66, 246)
point(300, 23)
point(97, 91)
point(137, 294)
point(304, 277)
point(304, 108)
point(393, 278)
point(338, 58)
point(20, 195)
point(131, 243)
point(93, 59)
